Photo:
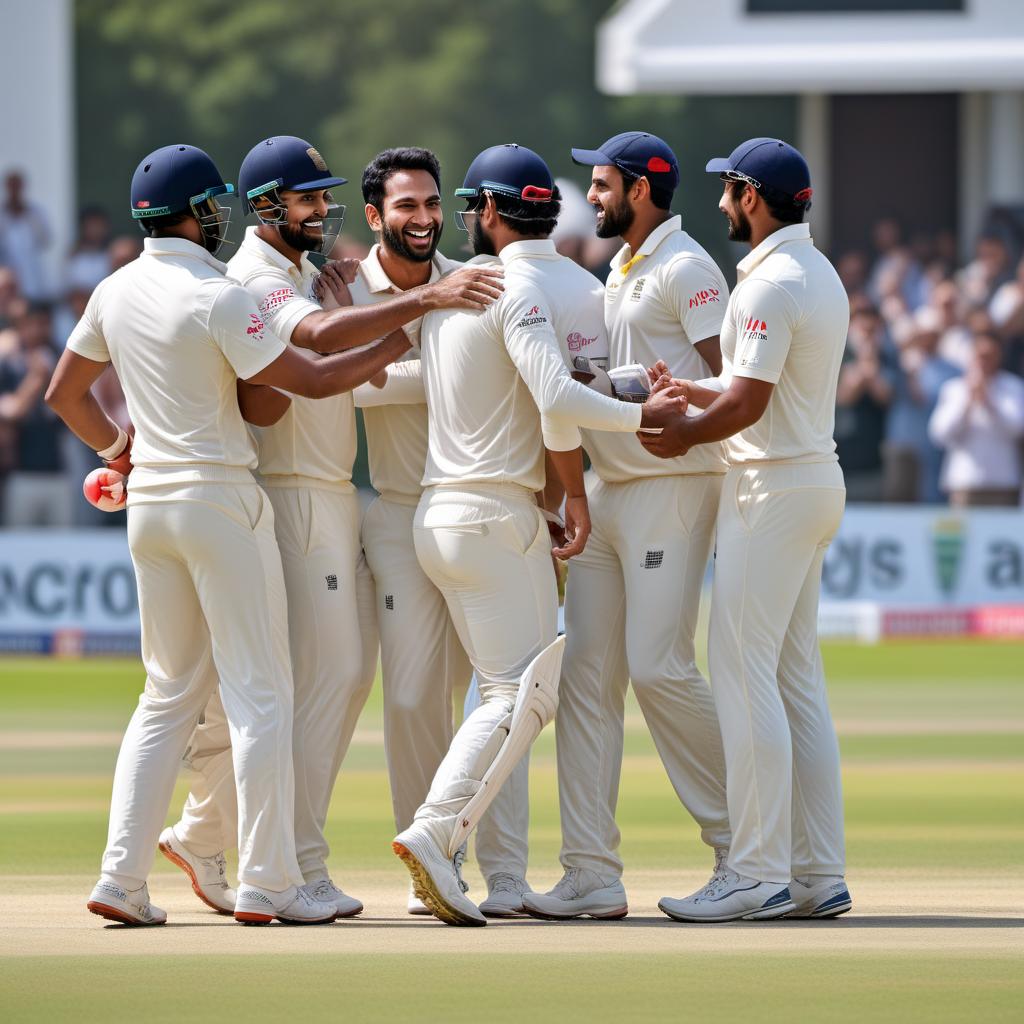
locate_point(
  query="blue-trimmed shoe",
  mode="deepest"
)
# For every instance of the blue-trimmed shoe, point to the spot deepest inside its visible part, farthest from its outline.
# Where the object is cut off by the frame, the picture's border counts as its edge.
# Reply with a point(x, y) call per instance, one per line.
point(731, 897)
point(824, 900)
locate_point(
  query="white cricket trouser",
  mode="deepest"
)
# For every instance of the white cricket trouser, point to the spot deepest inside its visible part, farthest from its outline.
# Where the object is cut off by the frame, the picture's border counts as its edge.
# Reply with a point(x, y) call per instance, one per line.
point(486, 548)
point(785, 801)
point(631, 605)
point(422, 664)
point(317, 531)
point(212, 604)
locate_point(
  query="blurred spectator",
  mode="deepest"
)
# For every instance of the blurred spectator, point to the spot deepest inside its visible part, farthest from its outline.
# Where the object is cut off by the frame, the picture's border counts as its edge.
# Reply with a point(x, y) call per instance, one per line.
point(954, 340)
point(895, 270)
point(852, 268)
point(24, 234)
point(990, 268)
point(123, 250)
point(89, 261)
point(979, 421)
point(1007, 312)
point(38, 492)
point(911, 459)
point(9, 296)
point(862, 401)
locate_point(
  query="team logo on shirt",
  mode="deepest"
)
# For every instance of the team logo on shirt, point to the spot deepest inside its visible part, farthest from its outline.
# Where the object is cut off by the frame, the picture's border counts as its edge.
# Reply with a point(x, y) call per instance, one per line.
point(576, 342)
point(275, 299)
point(638, 289)
point(703, 297)
point(255, 327)
point(755, 329)
point(533, 316)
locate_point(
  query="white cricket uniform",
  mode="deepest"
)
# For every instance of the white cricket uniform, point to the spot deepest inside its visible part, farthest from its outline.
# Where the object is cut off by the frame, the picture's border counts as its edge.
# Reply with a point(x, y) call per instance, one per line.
point(305, 464)
point(633, 595)
point(422, 659)
point(498, 391)
point(782, 501)
point(201, 534)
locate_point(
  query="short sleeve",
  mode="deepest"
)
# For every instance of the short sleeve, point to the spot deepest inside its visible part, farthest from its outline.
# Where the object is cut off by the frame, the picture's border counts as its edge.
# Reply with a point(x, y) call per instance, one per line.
point(87, 338)
point(240, 333)
point(697, 295)
point(764, 319)
point(279, 305)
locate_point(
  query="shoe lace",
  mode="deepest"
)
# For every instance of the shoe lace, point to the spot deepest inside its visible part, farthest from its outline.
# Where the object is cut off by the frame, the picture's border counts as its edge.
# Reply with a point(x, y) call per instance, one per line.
point(323, 890)
point(505, 881)
point(457, 861)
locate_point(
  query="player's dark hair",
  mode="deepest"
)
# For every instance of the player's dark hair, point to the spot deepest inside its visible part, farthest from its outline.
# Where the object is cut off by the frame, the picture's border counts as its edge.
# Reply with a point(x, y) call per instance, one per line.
point(535, 220)
point(661, 197)
point(383, 165)
point(780, 206)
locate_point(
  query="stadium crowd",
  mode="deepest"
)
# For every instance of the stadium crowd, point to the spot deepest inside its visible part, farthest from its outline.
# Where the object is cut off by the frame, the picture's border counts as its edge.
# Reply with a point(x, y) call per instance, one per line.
point(930, 406)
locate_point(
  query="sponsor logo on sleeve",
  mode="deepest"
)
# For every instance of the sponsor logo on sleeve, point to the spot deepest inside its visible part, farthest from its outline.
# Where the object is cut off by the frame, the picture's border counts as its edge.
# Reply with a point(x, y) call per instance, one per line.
point(704, 297)
point(275, 299)
point(755, 329)
point(533, 316)
point(255, 328)
point(576, 342)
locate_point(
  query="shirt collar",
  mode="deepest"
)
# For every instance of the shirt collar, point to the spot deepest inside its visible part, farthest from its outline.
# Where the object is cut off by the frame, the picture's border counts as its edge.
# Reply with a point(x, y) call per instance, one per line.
point(790, 233)
point(378, 281)
point(650, 243)
point(182, 247)
point(270, 255)
point(528, 247)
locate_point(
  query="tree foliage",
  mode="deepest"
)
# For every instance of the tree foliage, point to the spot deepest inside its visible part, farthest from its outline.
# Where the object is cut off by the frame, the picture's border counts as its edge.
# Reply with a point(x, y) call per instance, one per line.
point(356, 76)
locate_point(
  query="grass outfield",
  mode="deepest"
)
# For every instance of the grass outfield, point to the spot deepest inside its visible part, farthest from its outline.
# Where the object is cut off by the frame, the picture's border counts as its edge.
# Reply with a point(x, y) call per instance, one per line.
point(932, 737)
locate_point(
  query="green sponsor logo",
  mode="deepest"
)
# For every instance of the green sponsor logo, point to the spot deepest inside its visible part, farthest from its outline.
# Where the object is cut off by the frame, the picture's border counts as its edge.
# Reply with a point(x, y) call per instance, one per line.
point(948, 548)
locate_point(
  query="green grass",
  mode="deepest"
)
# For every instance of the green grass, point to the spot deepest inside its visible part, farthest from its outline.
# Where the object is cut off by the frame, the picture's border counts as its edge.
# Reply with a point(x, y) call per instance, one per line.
point(932, 737)
point(518, 988)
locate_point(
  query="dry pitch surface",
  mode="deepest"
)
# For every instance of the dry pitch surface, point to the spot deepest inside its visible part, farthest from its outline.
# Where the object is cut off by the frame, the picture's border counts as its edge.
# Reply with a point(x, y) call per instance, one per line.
point(933, 745)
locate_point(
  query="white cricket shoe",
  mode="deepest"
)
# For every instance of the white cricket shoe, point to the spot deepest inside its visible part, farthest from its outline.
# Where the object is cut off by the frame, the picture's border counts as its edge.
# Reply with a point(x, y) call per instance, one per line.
point(207, 874)
point(828, 898)
point(505, 893)
point(579, 893)
point(326, 891)
point(435, 879)
point(731, 897)
point(719, 871)
point(293, 906)
point(126, 906)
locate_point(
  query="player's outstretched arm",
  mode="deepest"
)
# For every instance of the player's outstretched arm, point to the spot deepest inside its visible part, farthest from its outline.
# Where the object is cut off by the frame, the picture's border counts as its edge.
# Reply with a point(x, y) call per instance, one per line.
point(299, 374)
point(335, 330)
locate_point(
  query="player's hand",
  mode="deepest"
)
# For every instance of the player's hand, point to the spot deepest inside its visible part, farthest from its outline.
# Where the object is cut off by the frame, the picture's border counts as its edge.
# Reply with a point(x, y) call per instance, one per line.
point(123, 463)
point(331, 281)
point(658, 370)
point(670, 441)
point(664, 406)
point(467, 288)
point(577, 528)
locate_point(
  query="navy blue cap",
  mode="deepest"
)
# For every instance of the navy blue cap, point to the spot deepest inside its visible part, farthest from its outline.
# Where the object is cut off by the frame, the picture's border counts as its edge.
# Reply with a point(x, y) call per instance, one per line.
point(768, 163)
point(286, 163)
point(509, 170)
point(637, 153)
point(172, 179)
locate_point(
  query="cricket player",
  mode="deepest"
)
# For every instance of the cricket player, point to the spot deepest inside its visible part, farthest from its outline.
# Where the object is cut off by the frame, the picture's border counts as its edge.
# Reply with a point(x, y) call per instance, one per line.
point(782, 500)
point(422, 659)
point(633, 595)
point(200, 529)
point(498, 393)
point(305, 466)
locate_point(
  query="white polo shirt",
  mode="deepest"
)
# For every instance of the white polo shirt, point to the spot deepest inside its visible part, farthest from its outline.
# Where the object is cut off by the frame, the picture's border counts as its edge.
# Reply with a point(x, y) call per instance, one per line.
point(179, 334)
point(498, 389)
point(395, 416)
point(786, 324)
point(658, 303)
point(315, 440)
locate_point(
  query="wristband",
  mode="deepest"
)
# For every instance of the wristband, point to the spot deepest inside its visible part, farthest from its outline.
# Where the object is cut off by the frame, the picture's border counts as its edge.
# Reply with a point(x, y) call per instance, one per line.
point(552, 517)
point(111, 453)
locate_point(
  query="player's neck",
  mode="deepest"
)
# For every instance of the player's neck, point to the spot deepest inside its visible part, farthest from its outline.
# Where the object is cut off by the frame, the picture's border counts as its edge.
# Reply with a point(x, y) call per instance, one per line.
point(642, 227)
point(275, 241)
point(401, 272)
point(761, 229)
